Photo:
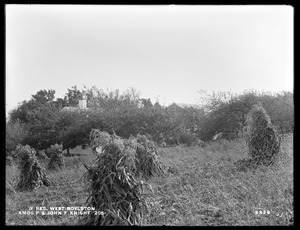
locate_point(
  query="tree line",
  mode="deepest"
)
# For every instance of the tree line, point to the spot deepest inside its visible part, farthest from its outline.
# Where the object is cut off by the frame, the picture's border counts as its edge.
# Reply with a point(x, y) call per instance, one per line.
point(42, 121)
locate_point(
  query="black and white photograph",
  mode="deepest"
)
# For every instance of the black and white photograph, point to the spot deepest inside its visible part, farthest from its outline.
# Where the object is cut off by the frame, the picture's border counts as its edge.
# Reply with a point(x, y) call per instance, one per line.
point(149, 115)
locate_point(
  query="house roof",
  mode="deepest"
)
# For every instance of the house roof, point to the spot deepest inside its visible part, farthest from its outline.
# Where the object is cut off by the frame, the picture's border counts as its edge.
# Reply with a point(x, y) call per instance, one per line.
point(73, 109)
point(67, 108)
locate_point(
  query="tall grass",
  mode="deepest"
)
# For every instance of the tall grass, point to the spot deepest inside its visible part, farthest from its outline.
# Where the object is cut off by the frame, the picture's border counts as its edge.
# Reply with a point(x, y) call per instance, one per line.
point(205, 188)
point(209, 190)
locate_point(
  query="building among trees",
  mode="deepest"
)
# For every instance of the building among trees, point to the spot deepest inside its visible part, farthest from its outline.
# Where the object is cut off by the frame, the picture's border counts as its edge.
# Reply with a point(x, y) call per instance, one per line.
point(82, 104)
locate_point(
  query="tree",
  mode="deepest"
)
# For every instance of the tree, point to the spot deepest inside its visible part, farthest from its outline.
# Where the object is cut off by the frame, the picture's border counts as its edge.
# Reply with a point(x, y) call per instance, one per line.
point(280, 107)
point(39, 115)
point(21, 113)
point(146, 103)
point(27, 112)
point(226, 112)
point(44, 96)
point(42, 133)
point(74, 129)
point(72, 97)
point(160, 123)
point(60, 103)
point(15, 134)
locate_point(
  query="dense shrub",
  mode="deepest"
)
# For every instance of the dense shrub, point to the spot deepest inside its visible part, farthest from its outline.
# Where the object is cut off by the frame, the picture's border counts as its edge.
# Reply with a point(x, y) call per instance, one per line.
point(15, 134)
point(227, 113)
point(128, 114)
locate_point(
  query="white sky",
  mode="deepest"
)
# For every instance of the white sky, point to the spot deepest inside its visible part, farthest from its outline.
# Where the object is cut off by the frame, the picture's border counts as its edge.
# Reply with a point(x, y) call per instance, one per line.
point(169, 52)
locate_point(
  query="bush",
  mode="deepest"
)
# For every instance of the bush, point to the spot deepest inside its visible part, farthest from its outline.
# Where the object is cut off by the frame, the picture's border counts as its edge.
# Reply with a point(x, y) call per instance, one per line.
point(15, 133)
point(227, 113)
point(171, 141)
point(190, 140)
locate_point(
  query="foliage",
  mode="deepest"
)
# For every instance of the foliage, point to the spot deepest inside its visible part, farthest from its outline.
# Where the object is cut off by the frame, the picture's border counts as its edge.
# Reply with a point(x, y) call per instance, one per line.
point(189, 139)
point(28, 112)
point(44, 96)
point(42, 133)
point(72, 97)
point(161, 123)
point(15, 134)
point(128, 114)
point(280, 107)
point(73, 128)
point(39, 115)
point(226, 112)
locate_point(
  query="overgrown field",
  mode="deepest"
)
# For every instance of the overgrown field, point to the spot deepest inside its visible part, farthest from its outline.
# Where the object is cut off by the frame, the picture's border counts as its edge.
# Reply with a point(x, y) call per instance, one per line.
point(203, 187)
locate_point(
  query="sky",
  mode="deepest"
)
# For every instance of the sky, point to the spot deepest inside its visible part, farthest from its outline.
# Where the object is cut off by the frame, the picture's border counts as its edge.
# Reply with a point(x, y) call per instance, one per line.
point(166, 52)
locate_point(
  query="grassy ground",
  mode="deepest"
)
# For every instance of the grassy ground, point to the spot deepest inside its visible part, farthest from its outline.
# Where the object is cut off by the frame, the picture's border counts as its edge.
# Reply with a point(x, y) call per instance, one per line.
point(202, 188)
